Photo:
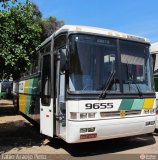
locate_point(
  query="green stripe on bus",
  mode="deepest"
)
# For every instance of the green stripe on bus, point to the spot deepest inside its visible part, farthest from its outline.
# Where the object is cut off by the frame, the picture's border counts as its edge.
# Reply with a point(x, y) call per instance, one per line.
point(35, 85)
point(28, 104)
point(30, 86)
point(126, 104)
point(32, 89)
point(137, 104)
point(28, 101)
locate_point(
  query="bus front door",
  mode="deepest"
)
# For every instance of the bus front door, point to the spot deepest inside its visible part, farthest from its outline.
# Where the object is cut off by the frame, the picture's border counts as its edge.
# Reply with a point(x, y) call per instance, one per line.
point(46, 100)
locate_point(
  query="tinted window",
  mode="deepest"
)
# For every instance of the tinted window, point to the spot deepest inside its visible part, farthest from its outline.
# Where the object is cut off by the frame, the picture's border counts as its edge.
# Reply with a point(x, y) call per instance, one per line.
point(136, 69)
point(46, 80)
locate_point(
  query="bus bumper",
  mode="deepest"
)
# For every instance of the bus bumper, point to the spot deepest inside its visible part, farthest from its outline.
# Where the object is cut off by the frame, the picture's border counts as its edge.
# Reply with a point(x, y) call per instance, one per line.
point(84, 131)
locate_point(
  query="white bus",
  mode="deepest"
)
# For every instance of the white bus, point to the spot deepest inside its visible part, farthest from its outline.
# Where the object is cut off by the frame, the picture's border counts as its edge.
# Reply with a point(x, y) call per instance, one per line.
point(90, 84)
point(154, 52)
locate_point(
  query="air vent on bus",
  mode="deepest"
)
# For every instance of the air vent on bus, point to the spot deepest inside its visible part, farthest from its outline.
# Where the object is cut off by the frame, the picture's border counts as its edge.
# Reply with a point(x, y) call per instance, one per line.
point(117, 113)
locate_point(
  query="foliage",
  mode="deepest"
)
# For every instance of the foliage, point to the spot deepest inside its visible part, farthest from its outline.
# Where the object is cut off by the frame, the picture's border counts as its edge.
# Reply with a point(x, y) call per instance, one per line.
point(22, 29)
point(50, 25)
point(20, 35)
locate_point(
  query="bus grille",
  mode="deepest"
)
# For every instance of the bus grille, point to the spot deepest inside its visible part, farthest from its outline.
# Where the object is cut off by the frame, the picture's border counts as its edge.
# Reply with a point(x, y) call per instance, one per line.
point(117, 113)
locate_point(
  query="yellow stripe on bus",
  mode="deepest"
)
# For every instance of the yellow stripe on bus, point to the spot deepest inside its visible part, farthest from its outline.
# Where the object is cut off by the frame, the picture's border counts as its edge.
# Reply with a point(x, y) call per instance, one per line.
point(148, 103)
point(26, 88)
point(22, 103)
point(23, 98)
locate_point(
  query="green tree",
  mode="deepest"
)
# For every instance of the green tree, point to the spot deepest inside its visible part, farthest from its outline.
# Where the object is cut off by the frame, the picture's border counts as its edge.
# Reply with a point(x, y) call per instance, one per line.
point(20, 34)
point(50, 25)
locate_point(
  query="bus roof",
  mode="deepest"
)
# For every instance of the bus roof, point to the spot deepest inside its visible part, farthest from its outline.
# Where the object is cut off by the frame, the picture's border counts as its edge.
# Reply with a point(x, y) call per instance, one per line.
point(154, 48)
point(101, 31)
point(96, 30)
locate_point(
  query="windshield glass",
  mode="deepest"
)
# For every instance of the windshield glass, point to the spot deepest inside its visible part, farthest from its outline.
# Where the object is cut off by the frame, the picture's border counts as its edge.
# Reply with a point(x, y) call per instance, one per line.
point(92, 61)
point(136, 67)
point(105, 65)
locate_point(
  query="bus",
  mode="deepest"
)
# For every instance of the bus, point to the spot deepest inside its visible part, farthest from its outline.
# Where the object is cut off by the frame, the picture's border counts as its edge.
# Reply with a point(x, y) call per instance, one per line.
point(154, 53)
point(5, 89)
point(89, 84)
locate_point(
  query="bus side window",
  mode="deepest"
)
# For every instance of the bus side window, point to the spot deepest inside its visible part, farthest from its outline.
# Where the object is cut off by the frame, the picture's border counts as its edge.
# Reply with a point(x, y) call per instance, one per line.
point(34, 67)
point(60, 42)
point(46, 80)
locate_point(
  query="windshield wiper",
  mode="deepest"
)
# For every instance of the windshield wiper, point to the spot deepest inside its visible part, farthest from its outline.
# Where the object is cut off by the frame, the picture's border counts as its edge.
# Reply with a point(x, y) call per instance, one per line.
point(139, 89)
point(130, 76)
point(106, 85)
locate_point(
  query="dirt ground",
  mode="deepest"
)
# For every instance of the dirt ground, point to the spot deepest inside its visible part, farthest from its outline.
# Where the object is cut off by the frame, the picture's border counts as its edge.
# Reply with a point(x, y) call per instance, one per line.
point(18, 136)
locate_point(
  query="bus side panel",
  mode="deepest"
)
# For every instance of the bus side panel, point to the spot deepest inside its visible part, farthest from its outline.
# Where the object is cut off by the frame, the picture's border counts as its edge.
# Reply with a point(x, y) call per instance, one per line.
point(156, 89)
point(29, 98)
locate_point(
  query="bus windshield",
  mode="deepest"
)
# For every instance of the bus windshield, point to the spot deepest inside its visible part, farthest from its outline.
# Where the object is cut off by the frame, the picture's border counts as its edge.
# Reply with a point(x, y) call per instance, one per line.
point(94, 59)
point(136, 68)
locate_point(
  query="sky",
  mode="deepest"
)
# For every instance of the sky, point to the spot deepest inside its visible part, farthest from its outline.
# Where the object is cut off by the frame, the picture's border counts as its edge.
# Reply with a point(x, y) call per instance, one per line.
point(138, 17)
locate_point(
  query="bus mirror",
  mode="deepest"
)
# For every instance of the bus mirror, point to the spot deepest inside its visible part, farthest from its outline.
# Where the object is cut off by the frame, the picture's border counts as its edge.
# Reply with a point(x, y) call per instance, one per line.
point(62, 59)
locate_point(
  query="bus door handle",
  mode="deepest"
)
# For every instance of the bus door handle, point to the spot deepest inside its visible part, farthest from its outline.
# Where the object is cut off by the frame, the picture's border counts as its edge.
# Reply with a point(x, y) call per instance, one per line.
point(41, 109)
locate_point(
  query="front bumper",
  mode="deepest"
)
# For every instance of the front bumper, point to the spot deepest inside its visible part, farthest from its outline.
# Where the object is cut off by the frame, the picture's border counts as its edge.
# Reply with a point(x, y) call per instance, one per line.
point(108, 129)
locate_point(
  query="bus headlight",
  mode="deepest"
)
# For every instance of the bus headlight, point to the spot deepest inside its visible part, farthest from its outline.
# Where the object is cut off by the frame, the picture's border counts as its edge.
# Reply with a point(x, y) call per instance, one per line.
point(149, 111)
point(83, 115)
point(91, 115)
point(150, 123)
point(152, 111)
point(92, 129)
point(84, 130)
point(146, 111)
point(73, 115)
point(87, 115)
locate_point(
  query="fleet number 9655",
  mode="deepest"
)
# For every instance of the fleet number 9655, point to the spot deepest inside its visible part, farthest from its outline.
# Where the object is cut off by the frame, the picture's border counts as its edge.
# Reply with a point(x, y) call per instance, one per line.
point(99, 105)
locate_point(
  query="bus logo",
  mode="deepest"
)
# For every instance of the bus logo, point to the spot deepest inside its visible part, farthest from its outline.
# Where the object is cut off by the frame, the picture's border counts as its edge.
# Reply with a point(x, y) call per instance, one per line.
point(122, 114)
